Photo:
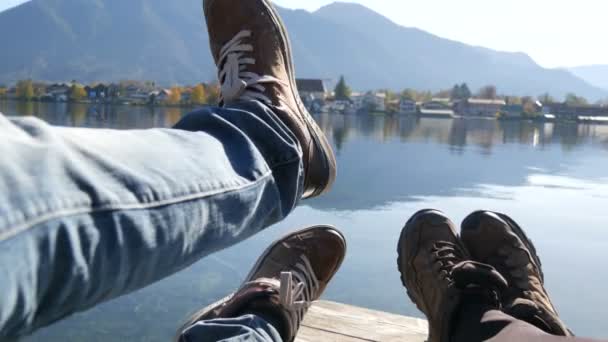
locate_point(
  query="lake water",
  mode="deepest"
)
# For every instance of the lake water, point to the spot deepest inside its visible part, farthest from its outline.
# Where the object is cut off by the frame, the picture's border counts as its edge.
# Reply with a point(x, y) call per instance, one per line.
point(552, 178)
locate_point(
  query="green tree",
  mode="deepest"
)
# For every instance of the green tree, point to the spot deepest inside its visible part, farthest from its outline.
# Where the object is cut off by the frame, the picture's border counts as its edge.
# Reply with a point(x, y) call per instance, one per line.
point(575, 100)
point(77, 92)
point(409, 94)
point(342, 91)
point(546, 98)
point(3, 92)
point(25, 90)
point(460, 92)
point(465, 92)
point(198, 95)
point(488, 92)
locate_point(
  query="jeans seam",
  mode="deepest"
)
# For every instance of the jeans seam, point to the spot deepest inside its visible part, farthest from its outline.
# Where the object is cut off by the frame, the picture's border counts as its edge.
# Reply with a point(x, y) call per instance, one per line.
point(28, 224)
point(283, 163)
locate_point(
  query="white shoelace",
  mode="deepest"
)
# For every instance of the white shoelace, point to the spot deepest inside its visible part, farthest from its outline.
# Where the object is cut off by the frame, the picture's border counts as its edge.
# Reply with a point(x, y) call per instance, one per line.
point(297, 290)
point(236, 81)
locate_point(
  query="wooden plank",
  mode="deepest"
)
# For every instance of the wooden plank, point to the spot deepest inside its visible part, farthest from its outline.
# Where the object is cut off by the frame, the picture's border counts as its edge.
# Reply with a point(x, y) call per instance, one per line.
point(328, 321)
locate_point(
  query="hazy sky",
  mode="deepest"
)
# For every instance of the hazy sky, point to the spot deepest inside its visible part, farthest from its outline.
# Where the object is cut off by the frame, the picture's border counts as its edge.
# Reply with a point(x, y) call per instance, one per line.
point(554, 32)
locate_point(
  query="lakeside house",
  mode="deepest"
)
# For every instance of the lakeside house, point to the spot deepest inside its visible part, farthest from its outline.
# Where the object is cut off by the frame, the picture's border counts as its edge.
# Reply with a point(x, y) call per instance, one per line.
point(408, 107)
point(436, 108)
point(98, 91)
point(373, 101)
point(58, 92)
point(159, 96)
point(566, 111)
point(479, 107)
point(313, 93)
point(313, 89)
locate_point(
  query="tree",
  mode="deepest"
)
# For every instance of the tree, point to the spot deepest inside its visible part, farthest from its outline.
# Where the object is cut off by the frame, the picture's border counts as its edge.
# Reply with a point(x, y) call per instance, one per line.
point(25, 90)
point(198, 95)
point(77, 92)
point(513, 100)
point(546, 98)
point(443, 93)
point(175, 97)
point(575, 100)
point(213, 93)
point(424, 96)
point(529, 105)
point(3, 92)
point(530, 108)
point(460, 92)
point(342, 91)
point(465, 92)
point(488, 92)
point(391, 101)
point(409, 94)
point(455, 94)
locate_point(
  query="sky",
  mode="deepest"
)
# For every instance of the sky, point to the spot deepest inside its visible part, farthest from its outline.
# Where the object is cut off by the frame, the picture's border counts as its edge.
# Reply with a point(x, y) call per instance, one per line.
point(555, 33)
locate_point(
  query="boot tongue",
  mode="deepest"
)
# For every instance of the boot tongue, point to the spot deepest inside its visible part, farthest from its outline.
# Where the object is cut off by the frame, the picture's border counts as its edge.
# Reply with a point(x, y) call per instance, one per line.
point(471, 275)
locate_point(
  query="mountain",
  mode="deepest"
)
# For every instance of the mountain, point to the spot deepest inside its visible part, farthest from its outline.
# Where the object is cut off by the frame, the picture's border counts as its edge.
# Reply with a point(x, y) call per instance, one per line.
point(166, 41)
point(593, 74)
point(91, 40)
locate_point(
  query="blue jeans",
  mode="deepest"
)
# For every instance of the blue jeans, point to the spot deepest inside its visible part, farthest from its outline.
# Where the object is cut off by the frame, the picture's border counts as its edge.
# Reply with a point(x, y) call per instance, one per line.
point(87, 215)
point(249, 328)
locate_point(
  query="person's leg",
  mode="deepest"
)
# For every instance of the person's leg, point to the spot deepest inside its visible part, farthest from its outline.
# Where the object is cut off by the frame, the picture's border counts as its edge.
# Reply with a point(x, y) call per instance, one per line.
point(272, 302)
point(476, 322)
point(87, 215)
point(250, 328)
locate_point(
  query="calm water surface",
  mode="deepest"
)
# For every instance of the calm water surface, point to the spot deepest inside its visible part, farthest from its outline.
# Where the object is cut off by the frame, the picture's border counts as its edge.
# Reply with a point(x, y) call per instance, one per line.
point(549, 177)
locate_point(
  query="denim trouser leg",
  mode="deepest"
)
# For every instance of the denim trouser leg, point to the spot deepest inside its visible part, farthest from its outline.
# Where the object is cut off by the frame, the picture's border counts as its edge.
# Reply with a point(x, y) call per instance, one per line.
point(87, 215)
point(249, 328)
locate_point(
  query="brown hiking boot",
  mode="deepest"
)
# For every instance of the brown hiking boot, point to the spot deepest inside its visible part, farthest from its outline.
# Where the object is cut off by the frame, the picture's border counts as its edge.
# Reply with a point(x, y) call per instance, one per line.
point(291, 274)
point(496, 239)
point(435, 270)
point(252, 52)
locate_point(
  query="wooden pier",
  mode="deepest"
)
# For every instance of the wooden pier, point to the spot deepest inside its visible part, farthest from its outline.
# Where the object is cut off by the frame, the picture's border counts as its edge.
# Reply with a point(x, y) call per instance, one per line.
point(333, 322)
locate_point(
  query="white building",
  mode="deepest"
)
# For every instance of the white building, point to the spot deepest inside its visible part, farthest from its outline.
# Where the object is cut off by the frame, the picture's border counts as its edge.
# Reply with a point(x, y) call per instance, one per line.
point(374, 101)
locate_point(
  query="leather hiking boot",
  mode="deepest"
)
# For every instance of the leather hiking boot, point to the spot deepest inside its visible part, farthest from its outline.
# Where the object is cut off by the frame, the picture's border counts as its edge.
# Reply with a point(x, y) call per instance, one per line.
point(497, 240)
point(252, 51)
point(436, 272)
point(291, 274)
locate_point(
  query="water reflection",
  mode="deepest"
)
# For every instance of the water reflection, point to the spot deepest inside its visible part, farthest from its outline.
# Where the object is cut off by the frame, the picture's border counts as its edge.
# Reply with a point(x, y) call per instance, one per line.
point(457, 133)
point(460, 133)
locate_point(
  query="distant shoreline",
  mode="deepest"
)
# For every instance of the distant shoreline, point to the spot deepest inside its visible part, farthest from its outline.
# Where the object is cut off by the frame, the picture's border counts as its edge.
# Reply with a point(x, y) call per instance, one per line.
point(108, 103)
